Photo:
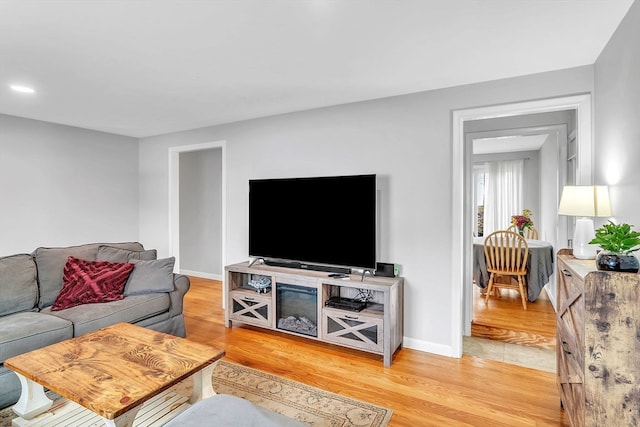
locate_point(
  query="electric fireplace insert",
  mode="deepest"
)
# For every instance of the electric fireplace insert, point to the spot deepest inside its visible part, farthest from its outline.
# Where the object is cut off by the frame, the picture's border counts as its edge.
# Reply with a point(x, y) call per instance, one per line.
point(297, 309)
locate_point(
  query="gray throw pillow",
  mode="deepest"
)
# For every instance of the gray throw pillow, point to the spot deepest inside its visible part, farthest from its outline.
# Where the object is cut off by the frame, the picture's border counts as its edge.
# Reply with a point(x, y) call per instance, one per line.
point(111, 254)
point(18, 286)
point(150, 277)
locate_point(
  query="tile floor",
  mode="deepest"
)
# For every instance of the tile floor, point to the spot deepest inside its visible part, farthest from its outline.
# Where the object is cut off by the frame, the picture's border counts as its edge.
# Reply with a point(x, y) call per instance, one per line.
point(536, 358)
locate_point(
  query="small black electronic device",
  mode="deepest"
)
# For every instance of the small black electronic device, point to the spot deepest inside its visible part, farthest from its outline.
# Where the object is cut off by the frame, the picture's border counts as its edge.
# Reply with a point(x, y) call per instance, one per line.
point(345, 303)
point(338, 276)
point(385, 269)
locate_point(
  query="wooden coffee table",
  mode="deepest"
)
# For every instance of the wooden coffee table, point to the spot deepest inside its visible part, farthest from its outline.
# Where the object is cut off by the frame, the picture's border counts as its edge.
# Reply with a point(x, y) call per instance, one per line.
point(116, 373)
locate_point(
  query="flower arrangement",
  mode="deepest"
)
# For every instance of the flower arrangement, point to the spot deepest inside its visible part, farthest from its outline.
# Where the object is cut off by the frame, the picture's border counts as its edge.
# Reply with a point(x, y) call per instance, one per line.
point(522, 221)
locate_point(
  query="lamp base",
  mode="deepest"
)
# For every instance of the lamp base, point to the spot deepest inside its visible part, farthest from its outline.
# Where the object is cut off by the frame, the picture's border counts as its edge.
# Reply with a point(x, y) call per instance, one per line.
point(582, 235)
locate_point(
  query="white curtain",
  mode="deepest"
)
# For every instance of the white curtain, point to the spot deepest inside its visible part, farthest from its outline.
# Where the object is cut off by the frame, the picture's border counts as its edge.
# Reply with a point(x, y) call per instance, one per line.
point(503, 194)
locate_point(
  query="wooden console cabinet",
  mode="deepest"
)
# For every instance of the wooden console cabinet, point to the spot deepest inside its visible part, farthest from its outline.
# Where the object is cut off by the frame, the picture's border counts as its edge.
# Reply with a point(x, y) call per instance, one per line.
point(378, 328)
point(598, 343)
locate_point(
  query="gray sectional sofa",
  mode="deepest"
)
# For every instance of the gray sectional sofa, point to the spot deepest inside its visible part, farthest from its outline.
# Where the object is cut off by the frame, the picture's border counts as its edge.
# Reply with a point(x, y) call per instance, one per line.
point(30, 283)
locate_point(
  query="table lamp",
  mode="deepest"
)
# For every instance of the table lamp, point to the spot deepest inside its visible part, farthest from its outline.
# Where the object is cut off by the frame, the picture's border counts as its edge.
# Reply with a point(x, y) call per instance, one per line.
point(584, 201)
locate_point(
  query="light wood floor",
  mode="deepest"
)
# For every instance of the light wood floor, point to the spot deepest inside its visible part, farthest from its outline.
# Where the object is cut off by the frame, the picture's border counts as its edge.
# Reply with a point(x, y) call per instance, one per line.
point(421, 388)
point(504, 319)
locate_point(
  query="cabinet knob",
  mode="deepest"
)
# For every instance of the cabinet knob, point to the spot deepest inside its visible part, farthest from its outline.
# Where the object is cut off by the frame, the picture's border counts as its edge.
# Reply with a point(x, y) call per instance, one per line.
point(564, 347)
point(566, 272)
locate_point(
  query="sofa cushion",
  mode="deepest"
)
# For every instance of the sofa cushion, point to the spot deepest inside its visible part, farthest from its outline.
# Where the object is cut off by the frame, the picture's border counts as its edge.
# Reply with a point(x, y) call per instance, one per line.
point(131, 309)
point(50, 263)
point(26, 331)
point(18, 285)
point(88, 282)
point(150, 277)
point(109, 253)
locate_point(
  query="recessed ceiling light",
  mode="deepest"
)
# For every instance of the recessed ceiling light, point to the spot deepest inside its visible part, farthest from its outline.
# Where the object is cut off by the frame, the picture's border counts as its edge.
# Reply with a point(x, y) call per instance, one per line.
point(23, 89)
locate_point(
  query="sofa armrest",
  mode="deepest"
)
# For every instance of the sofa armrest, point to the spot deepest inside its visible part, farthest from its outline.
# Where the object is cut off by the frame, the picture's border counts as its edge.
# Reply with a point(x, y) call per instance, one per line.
point(181, 284)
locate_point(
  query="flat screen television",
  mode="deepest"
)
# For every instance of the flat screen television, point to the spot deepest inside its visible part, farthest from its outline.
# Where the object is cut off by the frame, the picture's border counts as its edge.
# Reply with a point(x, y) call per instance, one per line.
point(315, 222)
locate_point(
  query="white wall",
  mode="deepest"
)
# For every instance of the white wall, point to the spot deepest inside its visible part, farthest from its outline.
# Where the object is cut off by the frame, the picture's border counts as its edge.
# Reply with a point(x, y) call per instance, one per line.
point(551, 183)
point(617, 119)
point(405, 139)
point(201, 213)
point(61, 185)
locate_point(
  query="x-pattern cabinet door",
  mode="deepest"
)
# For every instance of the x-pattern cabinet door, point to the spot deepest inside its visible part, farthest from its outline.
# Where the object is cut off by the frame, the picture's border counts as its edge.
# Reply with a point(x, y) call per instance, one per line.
point(251, 307)
point(354, 329)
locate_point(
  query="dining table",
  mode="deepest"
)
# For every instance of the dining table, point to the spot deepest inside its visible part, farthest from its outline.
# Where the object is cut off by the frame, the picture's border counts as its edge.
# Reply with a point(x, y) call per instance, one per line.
point(539, 266)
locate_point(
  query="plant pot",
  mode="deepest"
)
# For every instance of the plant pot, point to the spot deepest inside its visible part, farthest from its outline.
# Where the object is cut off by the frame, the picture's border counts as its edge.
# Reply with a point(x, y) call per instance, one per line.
point(611, 261)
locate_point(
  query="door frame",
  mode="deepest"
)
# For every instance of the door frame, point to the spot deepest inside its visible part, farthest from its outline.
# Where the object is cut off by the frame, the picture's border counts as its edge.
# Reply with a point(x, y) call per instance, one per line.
point(461, 158)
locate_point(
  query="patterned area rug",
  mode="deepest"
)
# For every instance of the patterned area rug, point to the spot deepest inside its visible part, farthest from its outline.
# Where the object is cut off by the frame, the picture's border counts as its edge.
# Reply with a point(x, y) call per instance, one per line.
point(310, 405)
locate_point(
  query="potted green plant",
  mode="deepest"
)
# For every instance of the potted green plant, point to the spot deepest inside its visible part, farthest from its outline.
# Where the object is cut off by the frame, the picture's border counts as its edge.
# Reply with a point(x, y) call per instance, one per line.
point(618, 242)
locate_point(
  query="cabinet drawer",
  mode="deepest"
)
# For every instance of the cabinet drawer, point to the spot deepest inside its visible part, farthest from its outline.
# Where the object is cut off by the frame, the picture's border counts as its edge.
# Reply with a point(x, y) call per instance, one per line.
point(251, 307)
point(353, 329)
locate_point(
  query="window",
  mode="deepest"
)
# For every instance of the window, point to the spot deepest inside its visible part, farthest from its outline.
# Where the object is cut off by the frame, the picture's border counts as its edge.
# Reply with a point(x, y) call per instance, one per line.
point(479, 173)
point(497, 195)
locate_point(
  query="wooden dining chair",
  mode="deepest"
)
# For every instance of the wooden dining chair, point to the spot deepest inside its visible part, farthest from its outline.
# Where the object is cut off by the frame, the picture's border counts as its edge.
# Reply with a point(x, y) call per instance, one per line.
point(506, 254)
point(529, 233)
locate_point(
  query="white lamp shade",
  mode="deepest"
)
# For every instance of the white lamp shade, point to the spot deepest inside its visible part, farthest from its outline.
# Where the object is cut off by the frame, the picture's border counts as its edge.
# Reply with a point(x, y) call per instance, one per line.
point(585, 200)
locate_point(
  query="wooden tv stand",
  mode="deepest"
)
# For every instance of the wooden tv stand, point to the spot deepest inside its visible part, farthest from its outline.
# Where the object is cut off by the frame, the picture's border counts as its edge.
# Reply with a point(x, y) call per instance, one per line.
point(378, 328)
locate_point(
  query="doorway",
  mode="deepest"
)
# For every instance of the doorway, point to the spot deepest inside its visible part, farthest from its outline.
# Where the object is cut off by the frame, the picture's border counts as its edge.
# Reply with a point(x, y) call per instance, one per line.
point(461, 198)
point(501, 329)
point(543, 152)
point(176, 203)
point(200, 228)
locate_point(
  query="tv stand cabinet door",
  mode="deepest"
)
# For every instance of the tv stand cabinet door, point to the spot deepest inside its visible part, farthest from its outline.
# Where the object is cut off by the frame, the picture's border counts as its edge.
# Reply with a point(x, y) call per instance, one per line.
point(251, 307)
point(354, 329)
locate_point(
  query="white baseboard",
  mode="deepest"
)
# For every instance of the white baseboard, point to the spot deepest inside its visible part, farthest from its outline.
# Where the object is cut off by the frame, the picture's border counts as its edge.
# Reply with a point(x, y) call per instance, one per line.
point(426, 346)
point(552, 297)
point(201, 274)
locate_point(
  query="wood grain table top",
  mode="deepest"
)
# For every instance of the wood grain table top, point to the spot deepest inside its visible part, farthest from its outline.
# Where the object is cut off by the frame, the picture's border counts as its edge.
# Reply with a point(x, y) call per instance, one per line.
point(114, 369)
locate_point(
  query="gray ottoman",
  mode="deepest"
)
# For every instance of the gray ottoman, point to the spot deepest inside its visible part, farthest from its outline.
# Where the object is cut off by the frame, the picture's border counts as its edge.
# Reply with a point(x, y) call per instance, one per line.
point(225, 410)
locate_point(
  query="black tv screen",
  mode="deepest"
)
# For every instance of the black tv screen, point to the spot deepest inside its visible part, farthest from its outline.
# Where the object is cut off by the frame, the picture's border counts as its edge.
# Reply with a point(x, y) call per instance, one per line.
point(322, 220)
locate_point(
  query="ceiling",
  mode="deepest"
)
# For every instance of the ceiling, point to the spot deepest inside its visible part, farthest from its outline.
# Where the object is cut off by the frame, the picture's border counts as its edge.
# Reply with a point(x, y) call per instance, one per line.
point(147, 67)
